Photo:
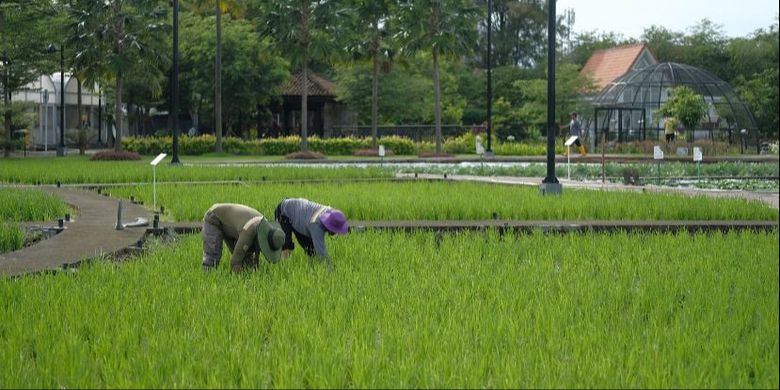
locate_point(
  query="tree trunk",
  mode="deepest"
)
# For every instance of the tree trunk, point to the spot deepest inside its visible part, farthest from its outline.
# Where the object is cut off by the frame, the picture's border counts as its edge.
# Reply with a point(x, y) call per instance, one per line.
point(305, 109)
point(78, 103)
point(218, 80)
point(7, 122)
point(375, 90)
point(437, 100)
point(118, 113)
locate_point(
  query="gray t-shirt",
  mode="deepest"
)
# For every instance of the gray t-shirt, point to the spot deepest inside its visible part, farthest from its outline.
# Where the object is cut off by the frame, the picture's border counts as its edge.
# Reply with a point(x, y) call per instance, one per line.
point(575, 127)
point(304, 217)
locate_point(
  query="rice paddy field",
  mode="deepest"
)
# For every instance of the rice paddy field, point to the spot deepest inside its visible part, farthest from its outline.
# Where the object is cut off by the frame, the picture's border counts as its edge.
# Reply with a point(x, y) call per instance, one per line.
point(409, 310)
point(24, 205)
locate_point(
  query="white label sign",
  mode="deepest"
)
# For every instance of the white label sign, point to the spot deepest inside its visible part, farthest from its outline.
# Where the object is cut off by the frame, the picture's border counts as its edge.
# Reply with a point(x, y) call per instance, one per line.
point(570, 141)
point(480, 148)
point(658, 154)
point(381, 150)
point(697, 154)
point(158, 159)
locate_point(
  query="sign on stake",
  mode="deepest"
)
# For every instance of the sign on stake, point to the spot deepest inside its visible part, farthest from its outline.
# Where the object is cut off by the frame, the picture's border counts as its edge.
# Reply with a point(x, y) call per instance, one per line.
point(154, 163)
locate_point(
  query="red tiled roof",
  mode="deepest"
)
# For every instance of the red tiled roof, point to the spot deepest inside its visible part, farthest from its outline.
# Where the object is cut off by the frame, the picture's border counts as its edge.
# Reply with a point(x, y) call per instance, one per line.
point(318, 85)
point(606, 65)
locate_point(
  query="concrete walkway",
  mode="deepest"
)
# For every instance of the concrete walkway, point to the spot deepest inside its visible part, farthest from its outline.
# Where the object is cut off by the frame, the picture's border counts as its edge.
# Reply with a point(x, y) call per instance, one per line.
point(90, 233)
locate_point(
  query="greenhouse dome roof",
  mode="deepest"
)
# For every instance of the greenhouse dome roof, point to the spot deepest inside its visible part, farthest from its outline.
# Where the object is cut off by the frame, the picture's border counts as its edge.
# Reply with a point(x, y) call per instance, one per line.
point(649, 87)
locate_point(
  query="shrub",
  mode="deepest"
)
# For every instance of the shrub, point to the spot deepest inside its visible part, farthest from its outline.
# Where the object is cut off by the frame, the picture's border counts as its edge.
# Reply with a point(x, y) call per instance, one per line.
point(399, 145)
point(115, 156)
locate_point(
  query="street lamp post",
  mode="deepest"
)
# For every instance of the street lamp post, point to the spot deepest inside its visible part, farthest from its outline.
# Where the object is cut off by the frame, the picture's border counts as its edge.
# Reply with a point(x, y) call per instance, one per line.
point(175, 84)
point(550, 184)
point(489, 151)
point(61, 146)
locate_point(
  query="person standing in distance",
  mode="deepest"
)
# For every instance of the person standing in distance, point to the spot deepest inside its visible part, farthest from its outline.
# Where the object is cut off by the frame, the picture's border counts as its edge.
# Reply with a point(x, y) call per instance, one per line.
point(575, 128)
point(310, 222)
point(246, 232)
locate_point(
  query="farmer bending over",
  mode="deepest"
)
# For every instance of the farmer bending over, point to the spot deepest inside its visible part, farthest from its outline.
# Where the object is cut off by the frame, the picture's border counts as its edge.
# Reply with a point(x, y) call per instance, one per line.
point(310, 222)
point(246, 232)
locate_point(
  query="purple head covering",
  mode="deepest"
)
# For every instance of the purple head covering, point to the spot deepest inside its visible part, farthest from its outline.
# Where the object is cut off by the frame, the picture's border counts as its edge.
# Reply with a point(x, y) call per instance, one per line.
point(334, 221)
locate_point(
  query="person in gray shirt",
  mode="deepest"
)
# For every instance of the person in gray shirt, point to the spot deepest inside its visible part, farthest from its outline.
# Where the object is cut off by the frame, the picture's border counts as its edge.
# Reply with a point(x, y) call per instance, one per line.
point(310, 222)
point(575, 129)
point(246, 232)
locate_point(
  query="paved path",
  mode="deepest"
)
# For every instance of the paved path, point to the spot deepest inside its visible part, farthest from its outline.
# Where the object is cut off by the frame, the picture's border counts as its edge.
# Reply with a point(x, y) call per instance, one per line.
point(91, 233)
point(770, 198)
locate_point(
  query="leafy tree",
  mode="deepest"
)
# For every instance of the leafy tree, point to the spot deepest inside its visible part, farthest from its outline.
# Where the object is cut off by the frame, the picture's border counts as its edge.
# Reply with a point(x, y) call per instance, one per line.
point(519, 32)
point(305, 32)
point(404, 99)
point(705, 48)
point(532, 111)
point(686, 106)
point(253, 74)
point(113, 38)
point(25, 31)
point(444, 28)
point(761, 94)
point(667, 45)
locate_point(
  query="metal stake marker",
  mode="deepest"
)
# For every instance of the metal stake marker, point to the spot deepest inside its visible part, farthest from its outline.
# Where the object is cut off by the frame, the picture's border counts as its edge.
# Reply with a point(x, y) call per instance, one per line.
point(154, 163)
point(119, 216)
point(658, 155)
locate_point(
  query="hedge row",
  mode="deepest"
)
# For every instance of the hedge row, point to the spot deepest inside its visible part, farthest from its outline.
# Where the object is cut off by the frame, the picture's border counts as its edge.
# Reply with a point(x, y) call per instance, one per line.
point(268, 146)
point(331, 146)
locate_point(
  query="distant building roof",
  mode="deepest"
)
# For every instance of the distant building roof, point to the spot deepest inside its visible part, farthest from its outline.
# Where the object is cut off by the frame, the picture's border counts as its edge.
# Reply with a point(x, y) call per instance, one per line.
point(318, 85)
point(606, 65)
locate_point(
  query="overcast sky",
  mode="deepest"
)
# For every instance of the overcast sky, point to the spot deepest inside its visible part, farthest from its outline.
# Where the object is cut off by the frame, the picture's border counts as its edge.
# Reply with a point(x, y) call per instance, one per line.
point(738, 18)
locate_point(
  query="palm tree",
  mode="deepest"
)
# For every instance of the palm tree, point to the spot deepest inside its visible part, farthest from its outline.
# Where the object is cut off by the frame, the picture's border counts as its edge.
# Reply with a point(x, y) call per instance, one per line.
point(442, 27)
point(220, 7)
point(370, 43)
point(304, 30)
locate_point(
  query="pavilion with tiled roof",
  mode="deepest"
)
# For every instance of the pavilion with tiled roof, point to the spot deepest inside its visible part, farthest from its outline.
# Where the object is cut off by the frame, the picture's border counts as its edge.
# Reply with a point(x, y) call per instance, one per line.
point(324, 111)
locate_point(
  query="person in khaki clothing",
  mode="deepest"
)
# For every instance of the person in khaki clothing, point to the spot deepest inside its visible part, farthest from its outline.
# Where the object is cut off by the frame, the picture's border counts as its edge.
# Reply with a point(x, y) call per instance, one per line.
point(246, 232)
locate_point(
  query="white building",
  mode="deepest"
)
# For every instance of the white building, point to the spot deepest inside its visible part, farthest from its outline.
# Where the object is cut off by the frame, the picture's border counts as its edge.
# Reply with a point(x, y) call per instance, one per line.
point(44, 93)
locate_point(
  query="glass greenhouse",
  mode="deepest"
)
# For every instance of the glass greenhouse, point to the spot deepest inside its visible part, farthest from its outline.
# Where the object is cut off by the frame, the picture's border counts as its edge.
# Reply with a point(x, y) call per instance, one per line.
point(626, 108)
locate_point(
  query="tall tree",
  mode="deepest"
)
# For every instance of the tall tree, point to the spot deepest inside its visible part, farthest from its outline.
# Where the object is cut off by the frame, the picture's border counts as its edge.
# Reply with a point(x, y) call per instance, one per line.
point(25, 31)
point(115, 37)
point(518, 34)
point(443, 28)
point(305, 31)
point(371, 28)
point(252, 78)
point(236, 7)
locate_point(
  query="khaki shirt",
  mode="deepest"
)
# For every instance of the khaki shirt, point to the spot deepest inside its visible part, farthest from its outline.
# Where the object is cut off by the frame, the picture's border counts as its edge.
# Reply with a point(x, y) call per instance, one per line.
point(239, 224)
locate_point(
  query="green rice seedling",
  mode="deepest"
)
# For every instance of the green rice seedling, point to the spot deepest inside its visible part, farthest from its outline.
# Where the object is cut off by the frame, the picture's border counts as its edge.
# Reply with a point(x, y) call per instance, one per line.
point(81, 170)
point(11, 237)
point(410, 311)
point(19, 205)
point(453, 201)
